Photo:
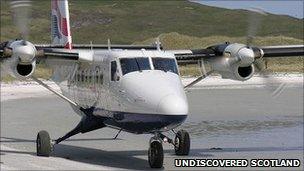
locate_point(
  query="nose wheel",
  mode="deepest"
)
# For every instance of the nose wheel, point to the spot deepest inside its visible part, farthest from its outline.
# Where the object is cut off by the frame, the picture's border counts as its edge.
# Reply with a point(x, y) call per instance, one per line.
point(182, 143)
point(43, 144)
point(156, 154)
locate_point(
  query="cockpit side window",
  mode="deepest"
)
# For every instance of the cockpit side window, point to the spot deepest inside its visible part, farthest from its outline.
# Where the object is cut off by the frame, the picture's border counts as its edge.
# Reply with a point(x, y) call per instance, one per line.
point(165, 64)
point(134, 64)
point(114, 76)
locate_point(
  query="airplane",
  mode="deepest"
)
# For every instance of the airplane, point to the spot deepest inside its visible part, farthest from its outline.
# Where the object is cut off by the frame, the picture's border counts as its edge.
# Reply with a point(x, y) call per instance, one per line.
point(132, 88)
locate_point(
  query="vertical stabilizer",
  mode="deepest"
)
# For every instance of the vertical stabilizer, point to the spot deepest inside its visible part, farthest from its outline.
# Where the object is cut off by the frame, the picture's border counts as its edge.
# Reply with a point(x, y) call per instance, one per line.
point(60, 25)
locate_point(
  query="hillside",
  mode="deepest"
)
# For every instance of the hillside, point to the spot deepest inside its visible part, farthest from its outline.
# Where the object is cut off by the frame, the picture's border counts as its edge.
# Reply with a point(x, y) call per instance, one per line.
point(126, 22)
point(178, 41)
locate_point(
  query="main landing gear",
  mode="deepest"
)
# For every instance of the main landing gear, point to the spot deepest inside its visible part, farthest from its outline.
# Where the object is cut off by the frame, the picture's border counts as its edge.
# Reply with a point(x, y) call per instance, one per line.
point(181, 142)
point(181, 145)
point(88, 123)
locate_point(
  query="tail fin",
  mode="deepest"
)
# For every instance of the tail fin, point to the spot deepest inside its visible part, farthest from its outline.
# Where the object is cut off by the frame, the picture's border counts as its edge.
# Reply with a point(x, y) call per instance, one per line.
point(60, 25)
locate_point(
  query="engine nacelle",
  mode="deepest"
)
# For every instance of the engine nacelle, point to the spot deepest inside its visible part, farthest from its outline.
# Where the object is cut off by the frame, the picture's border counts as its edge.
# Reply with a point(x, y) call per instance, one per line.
point(23, 71)
point(240, 53)
point(22, 63)
point(228, 69)
point(18, 70)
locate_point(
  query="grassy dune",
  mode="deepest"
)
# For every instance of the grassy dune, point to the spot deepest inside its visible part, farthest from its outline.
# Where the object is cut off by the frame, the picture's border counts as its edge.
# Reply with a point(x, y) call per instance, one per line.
point(128, 21)
point(175, 40)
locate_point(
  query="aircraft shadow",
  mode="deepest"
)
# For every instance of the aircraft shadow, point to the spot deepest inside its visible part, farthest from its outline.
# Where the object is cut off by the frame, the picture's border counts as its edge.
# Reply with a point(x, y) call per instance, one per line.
point(19, 140)
point(117, 159)
point(130, 159)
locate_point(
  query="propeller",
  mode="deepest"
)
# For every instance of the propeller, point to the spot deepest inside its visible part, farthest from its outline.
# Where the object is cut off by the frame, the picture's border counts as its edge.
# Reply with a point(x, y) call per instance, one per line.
point(21, 16)
point(21, 48)
point(255, 20)
point(274, 85)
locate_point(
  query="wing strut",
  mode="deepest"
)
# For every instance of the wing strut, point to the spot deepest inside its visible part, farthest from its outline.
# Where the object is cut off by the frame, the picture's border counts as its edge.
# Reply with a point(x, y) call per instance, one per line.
point(55, 92)
point(203, 76)
point(198, 80)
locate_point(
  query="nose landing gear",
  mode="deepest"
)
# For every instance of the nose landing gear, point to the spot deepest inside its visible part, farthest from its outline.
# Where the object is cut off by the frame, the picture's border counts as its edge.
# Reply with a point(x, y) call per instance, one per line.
point(155, 153)
point(181, 145)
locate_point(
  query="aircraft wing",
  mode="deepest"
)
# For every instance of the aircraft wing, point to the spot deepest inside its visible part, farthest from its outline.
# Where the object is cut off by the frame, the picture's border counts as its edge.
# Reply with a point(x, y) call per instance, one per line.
point(234, 61)
point(58, 53)
point(27, 52)
point(8, 50)
point(282, 51)
point(192, 56)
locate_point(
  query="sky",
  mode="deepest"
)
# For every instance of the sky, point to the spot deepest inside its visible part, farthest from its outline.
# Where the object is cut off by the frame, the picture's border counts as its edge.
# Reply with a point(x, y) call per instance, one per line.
point(292, 8)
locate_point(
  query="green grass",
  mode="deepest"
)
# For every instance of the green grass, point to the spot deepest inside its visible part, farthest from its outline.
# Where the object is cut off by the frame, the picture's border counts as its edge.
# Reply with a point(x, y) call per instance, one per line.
point(175, 40)
point(130, 21)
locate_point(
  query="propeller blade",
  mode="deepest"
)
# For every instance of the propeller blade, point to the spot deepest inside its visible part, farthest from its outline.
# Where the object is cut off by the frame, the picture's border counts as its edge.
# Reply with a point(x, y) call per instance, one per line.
point(21, 16)
point(274, 85)
point(255, 20)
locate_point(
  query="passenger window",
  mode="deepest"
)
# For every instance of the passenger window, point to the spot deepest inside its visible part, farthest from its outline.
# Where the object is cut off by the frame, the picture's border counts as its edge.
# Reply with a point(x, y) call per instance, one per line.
point(86, 77)
point(90, 76)
point(101, 78)
point(78, 76)
point(82, 76)
point(97, 77)
point(114, 76)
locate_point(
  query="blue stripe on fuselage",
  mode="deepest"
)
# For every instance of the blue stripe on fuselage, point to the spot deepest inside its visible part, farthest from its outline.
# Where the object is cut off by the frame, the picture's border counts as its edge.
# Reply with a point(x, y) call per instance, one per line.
point(137, 122)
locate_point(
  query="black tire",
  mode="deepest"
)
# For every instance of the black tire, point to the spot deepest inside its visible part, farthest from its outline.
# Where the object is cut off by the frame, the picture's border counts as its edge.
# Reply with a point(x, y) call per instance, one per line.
point(43, 144)
point(182, 143)
point(156, 155)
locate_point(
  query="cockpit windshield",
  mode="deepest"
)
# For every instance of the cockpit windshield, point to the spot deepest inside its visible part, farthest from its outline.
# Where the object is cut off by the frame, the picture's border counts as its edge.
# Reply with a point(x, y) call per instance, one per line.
point(165, 64)
point(134, 64)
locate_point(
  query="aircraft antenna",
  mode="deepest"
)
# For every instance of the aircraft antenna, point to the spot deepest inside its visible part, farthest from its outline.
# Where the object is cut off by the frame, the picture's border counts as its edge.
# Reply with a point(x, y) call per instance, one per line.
point(91, 43)
point(158, 43)
point(109, 44)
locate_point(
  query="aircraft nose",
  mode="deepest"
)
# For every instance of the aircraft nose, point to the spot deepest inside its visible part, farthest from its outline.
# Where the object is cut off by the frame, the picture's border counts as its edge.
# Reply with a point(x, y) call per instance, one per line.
point(173, 105)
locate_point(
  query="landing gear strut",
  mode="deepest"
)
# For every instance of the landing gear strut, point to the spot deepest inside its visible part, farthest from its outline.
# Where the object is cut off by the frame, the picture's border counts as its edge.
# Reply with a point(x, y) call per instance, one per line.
point(88, 123)
point(181, 145)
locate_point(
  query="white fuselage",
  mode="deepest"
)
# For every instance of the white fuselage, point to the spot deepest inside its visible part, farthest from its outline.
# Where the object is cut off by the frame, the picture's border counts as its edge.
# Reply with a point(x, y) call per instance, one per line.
point(125, 93)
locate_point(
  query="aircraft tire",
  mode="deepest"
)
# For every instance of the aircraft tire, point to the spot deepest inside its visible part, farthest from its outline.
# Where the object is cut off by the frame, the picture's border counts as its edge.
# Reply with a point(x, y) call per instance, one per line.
point(43, 144)
point(182, 143)
point(156, 154)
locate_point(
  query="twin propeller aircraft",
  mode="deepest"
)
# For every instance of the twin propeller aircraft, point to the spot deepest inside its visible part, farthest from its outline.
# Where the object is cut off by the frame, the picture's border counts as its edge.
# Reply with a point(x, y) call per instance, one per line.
point(130, 88)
